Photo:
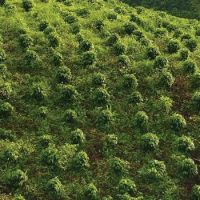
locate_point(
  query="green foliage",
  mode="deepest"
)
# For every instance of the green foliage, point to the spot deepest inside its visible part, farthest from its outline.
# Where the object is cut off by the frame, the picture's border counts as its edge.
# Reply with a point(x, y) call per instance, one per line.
point(78, 137)
point(88, 58)
point(152, 53)
point(191, 44)
point(184, 54)
point(85, 45)
point(185, 144)
point(196, 192)
point(196, 100)
point(91, 192)
point(129, 28)
point(101, 97)
point(2, 56)
point(130, 81)
point(98, 79)
point(127, 186)
point(32, 59)
point(6, 109)
point(177, 122)
point(149, 142)
point(68, 93)
point(173, 46)
point(166, 79)
point(64, 75)
point(153, 171)
point(25, 41)
point(136, 98)
point(195, 81)
point(99, 25)
point(27, 5)
point(53, 40)
point(56, 189)
point(119, 48)
point(70, 116)
point(160, 62)
point(112, 39)
point(118, 166)
point(81, 161)
point(189, 67)
point(141, 120)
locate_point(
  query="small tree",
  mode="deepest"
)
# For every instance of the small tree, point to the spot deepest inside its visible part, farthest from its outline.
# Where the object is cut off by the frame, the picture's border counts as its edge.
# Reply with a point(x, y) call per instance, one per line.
point(149, 142)
point(177, 122)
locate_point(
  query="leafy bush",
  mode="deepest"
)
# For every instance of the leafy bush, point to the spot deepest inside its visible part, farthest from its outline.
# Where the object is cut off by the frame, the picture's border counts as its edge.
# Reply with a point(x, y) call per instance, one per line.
point(186, 168)
point(104, 118)
point(129, 28)
point(98, 79)
point(27, 5)
point(43, 25)
point(110, 141)
point(119, 48)
point(11, 155)
point(68, 93)
point(45, 140)
point(49, 156)
point(160, 62)
point(81, 161)
point(32, 59)
point(173, 46)
point(195, 81)
point(141, 119)
point(5, 90)
point(71, 116)
point(184, 54)
point(18, 197)
point(78, 137)
point(53, 40)
point(101, 97)
point(118, 166)
point(150, 142)
point(91, 192)
point(85, 45)
point(130, 81)
point(153, 171)
point(166, 79)
point(75, 28)
point(64, 75)
point(152, 53)
point(164, 104)
point(191, 44)
point(7, 135)
point(123, 60)
point(57, 58)
point(177, 122)
point(17, 178)
point(6, 109)
point(55, 188)
point(189, 67)
point(136, 98)
point(112, 16)
point(196, 100)
point(88, 58)
point(99, 25)
point(2, 56)
point(38, 92)
point(2, 2)
point(112, 39)
point(185, 144)
point(196, 192)
point(84, 12)
point(25, 41)
point(127, 186)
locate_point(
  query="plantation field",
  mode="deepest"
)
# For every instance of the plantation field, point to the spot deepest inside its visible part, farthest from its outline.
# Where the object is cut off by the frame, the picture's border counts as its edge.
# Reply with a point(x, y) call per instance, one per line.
point(99, 100)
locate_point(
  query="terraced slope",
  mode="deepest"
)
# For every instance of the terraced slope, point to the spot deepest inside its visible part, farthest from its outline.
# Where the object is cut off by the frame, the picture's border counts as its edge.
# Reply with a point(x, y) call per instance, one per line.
point(98, 100)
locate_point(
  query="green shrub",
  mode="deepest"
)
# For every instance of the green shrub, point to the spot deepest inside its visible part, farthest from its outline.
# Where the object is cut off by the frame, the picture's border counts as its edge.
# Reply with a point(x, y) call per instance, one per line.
point(5, 90)
point(78, 137)
point(81, 161)
point(18, 197)
point(164, 104)
point(177, 122)
point(49, 30)
point(11, 155)
point(119, 48)
point(112, 16)
point(49, 156)
point(99, 25)
point(2, 2)
point(152, 53)
point(191, 44)
point(136, 98)
point(83, 12)
point(160, 62)
point(196, 192)
point(141, 119)
point(68, 93)
point(71, 116)
point(112, 39)
point(184, 54)
point(2, 56)
point(88, 58)
point(38, 92)
point(75, 28)
point(127, 186)
point(64, 75)
point(17, 178)
point(7, 135)
point(129, 28)
point(196, 100)
point(186, 36)
point(43, 25)
point(123, 60)
point(101, 97)
point(130, 81)
point(57, 58)
point(104, 118)
point(32, 59)
point(27, 5)
point(118, 166)
point(149, 142)
point(195, 81)
point(85, 45)
point(173, 46)
point(98, 79)
point(136, 19)
point(53, 40)
point(189, 67)
point(91, 192)
point(166, 79)
point(153, 171)
point(185, 144)
point(42, 112)
point(110, 141)
point(45, 140)
point(55, 189)
point(70, 19)
point(25, 41)
point(6, 109)
point(186, 167)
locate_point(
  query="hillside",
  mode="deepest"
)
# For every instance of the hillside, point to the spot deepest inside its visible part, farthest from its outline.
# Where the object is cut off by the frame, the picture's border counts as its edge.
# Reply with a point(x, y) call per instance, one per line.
point(180, 8)
point(98, 100)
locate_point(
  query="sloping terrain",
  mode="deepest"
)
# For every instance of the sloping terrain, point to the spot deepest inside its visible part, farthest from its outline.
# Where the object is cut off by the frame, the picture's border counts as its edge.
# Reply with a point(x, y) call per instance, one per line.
point(98, 100)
